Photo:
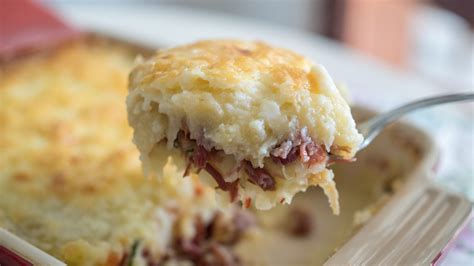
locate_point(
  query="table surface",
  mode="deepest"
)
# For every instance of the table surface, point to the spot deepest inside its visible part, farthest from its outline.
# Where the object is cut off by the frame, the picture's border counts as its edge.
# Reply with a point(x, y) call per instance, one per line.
point(370, 83)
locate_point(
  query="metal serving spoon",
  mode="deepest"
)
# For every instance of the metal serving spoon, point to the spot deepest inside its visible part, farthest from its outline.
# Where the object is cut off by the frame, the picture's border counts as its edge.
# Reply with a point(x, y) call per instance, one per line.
point(372, 127)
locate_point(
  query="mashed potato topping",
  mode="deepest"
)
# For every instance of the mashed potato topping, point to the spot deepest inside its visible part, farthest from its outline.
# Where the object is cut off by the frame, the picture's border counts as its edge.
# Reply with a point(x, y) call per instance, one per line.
point(70, 178)
point(261, 121)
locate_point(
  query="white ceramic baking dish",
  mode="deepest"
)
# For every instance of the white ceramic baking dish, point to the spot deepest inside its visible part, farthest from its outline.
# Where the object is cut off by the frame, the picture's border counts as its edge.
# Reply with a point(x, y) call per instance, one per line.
point(422, 217)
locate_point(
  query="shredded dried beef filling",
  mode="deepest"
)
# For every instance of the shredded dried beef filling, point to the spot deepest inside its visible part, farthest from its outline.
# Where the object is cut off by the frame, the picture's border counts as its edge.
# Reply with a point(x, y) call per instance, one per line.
point(213, 242)
point(259, 176)
point(290, 157)
point(199, 157)
point(222, 184)
point(300, 147)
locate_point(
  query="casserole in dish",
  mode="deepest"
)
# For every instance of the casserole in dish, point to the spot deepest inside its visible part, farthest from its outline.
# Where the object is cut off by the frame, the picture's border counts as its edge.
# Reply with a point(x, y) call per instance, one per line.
point(74, 190)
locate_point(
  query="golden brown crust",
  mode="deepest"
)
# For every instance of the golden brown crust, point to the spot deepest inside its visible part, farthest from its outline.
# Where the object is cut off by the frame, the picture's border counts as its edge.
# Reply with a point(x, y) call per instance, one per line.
point(231, 60)
point(48, 116)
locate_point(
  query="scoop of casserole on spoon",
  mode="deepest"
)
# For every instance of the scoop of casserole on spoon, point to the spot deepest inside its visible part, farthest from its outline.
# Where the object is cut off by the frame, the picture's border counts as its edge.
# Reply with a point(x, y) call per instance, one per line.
point(259, 123)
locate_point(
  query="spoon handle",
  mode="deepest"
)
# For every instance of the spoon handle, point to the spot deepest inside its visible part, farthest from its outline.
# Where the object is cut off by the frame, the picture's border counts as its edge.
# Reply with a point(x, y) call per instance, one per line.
point(372, 127)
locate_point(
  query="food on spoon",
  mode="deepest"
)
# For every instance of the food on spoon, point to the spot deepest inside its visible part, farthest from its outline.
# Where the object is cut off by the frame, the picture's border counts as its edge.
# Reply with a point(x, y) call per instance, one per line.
point(261, 122)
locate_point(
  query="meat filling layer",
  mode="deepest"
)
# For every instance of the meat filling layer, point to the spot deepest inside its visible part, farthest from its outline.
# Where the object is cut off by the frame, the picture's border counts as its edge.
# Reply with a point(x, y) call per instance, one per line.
point(300, 148)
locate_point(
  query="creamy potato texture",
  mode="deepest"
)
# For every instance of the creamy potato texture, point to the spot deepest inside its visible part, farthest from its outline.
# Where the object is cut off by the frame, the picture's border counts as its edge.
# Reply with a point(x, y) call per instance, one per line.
point(241, 101)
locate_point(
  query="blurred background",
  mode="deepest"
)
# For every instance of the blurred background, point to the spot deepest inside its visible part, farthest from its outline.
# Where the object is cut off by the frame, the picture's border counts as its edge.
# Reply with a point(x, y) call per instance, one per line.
point(432, 38)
